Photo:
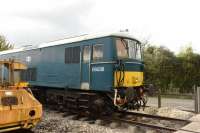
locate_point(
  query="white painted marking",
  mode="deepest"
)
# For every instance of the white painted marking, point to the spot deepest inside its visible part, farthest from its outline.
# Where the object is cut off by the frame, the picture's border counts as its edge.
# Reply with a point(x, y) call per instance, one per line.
point(85, 86)
point(28, 59)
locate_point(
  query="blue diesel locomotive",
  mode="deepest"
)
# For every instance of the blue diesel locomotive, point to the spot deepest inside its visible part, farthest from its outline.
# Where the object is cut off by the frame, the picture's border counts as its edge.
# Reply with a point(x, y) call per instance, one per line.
point(83, 71)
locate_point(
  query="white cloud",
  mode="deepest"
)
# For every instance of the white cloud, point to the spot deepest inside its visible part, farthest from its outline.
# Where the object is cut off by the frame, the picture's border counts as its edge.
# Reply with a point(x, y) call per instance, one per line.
point(172, 23)
point(38, 21)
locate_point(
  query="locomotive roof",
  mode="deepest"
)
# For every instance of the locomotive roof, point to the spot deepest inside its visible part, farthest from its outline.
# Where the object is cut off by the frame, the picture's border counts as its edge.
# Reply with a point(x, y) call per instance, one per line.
point(69, 40)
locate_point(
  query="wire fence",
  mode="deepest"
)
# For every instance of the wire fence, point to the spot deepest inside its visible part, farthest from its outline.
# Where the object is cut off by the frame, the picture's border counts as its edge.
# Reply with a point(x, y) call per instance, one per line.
point(183, 101)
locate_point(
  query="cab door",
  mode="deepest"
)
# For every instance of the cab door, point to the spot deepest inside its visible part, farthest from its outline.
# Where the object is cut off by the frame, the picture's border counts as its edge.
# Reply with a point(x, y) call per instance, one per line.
point(101, 67)
point(85, 67)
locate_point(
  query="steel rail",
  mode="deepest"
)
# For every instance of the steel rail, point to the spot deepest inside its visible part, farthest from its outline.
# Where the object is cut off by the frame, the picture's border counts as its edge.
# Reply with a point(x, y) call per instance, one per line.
point(153, 116)
point(147, 125)
point(152, 126)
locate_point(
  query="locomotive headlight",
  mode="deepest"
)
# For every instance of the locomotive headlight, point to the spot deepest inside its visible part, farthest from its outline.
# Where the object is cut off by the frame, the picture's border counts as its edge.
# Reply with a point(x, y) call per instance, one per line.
point(134, 80)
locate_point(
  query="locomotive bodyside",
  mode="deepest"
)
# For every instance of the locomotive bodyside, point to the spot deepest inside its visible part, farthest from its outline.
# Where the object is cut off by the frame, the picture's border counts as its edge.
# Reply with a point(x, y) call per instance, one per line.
point(48, 66)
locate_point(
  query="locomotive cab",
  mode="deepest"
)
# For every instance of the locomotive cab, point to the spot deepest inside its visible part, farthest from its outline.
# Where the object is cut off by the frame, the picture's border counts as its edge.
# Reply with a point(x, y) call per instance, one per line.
point(128, 74)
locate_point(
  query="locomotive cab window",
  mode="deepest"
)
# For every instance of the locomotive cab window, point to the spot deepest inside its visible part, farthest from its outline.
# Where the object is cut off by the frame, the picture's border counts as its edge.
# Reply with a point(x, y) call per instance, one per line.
point(121, 49)
point(97, 52)
point(128, 49)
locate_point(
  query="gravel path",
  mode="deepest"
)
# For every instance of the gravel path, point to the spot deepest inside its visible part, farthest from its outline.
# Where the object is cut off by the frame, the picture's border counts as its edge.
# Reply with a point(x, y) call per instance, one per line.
point(185, 104)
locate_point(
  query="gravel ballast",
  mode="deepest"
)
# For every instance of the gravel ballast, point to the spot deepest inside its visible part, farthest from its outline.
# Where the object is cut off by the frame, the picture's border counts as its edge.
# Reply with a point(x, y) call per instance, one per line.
point(54, 122)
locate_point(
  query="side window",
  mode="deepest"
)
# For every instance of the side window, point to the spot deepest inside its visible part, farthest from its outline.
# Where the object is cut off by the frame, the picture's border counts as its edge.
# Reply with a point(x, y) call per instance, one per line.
point(67, 55)
point(76, 55)
point(33, 73)
point(23, 75)
point(72, 55)
point(29, 75)
point(86, 53)
point(97, 51)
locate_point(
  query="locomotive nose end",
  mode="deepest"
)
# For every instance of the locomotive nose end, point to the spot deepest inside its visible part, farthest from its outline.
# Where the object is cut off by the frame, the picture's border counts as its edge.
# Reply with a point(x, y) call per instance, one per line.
point(130, 79)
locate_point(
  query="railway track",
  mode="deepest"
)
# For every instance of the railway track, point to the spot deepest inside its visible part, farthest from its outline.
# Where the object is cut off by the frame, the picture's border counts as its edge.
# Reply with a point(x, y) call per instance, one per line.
point(145, 120)
point(152, 116)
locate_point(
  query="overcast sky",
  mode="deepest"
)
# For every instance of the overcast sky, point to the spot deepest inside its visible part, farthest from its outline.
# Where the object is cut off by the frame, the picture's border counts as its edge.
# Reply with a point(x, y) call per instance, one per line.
point(172, 23)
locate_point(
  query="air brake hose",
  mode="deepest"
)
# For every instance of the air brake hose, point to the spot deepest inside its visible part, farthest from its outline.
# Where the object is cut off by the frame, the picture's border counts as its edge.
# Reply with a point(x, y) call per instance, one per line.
point(120, 69)
point(123, 74)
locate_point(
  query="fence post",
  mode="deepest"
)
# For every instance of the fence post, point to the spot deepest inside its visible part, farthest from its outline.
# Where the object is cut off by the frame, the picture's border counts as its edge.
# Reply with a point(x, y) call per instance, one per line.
point(197, 99)
point(159, 98)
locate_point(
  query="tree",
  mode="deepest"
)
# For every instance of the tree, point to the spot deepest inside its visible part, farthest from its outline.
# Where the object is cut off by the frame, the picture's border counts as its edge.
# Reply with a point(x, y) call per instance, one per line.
point(4, 45)
point(188, 74)
point(170, 72)
point(159, 63)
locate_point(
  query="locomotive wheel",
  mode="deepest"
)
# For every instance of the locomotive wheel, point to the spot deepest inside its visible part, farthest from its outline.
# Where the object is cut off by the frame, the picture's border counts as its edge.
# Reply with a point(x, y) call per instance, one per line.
point(101, 107)
point(96, 107)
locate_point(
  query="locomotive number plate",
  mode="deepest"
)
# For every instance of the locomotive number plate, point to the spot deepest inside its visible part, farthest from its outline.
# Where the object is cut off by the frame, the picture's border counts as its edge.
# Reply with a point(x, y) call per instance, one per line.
point(98, 69)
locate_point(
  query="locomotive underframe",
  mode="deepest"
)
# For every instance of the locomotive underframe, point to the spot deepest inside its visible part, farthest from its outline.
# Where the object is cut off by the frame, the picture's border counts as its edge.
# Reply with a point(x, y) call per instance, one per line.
point(93, 101)
point(75, 100)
